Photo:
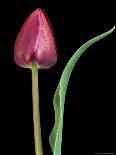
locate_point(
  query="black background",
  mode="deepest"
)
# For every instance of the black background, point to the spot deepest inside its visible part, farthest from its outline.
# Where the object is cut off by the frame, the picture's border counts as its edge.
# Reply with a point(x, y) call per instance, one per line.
point(89, 119)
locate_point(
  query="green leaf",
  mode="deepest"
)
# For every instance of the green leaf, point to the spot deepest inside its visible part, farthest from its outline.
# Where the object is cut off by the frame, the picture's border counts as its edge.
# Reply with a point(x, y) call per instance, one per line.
point(55, 138)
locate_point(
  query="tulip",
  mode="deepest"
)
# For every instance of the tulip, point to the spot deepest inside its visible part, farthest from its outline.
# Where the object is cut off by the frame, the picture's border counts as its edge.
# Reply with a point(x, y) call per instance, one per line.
point(35, 49)
point(35, 43)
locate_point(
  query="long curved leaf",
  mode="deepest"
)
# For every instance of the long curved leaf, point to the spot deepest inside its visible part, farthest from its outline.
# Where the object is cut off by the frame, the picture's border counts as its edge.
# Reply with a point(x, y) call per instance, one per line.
point(55, 138)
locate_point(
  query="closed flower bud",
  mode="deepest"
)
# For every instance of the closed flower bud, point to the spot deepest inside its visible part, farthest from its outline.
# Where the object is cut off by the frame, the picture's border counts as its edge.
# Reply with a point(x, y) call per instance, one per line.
point(35, 43)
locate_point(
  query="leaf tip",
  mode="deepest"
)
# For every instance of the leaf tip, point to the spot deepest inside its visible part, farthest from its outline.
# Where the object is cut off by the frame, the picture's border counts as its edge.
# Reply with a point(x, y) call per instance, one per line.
point(113, 29)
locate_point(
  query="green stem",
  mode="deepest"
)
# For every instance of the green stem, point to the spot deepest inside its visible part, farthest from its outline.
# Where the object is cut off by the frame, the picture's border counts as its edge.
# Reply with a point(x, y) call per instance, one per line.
point(36, 114)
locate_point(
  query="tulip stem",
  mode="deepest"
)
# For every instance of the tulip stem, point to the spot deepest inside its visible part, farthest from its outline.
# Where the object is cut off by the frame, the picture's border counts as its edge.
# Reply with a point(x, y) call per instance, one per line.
point(36, 113)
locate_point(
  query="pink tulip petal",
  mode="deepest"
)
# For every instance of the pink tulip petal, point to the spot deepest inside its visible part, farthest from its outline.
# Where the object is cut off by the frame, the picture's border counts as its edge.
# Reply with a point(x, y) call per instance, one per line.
point(35, 42)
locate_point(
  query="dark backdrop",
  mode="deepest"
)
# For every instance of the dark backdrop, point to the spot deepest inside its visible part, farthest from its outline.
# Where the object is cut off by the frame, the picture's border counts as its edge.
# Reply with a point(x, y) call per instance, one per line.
point(89, 119)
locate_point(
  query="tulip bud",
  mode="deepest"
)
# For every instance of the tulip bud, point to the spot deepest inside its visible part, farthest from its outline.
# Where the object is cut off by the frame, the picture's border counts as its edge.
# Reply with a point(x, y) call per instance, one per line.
point(35, 43)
